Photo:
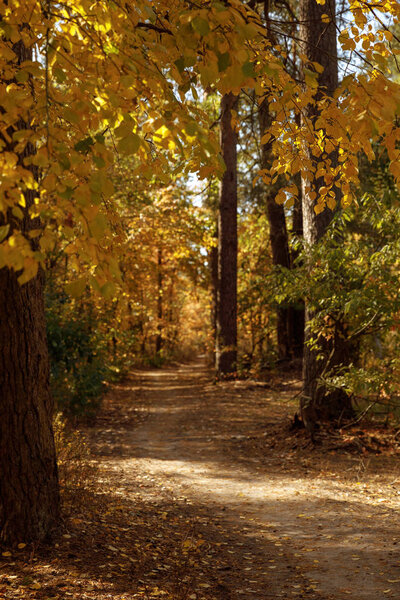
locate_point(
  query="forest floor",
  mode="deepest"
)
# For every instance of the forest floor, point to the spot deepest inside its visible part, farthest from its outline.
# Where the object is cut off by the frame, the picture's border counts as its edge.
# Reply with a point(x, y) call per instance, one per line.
point(196, 491)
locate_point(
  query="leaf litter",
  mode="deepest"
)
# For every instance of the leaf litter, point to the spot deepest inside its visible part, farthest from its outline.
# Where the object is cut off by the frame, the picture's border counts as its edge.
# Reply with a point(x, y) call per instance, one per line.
point(198, 491)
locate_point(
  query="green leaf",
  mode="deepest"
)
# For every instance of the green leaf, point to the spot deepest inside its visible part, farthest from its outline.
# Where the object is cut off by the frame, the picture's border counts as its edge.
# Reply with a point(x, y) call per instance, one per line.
point(248, 69)
point(76, 288)
point(67, 193)
point(71, 116)
point(224, 60)
point(200, 26)
point(22, 76)
point(129, 144)
point(64, 162)
point(311, 78)
point(99, 161)
point(180, 64)
point(59, 75)
point(98, 226)
point(108, 290)
point(151, 14)
point(191, 128)
point(4, 229)
point(17, 212)
point(84, 145)
point(100, 138)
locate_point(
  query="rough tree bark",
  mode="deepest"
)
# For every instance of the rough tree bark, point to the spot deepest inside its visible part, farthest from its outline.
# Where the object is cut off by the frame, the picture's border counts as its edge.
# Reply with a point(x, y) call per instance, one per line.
point(318, 41)
point(296, 310)
point(226, 313)
point(290, 319)
point(29, 496)
point(277, 233)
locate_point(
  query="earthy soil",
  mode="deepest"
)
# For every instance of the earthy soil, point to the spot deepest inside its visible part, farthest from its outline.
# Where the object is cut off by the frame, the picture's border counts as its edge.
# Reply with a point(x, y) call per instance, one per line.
point(200, 491)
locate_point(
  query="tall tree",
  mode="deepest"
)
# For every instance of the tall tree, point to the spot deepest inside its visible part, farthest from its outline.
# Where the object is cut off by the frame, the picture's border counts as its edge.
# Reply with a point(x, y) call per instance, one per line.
point(318, 41)
point(160, 307)
point(29, 498)
point(277, 231)
point(226, 312)
point(290, 319)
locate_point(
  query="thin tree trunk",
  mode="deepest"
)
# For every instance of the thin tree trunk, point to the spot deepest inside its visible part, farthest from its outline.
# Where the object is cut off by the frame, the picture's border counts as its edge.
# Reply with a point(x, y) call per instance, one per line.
point(277, 234)
point(290, 324)
point(159, 338)
point(319, 45)
point(213, 265)
point(226, 339)
point(296, 310)
point(29, 495)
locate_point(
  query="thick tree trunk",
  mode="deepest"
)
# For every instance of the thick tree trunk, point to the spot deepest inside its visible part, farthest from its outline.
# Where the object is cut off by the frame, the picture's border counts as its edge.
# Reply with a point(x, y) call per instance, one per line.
point(226, 338)
point(29, 501)
point(319, 45)
point(29, 496)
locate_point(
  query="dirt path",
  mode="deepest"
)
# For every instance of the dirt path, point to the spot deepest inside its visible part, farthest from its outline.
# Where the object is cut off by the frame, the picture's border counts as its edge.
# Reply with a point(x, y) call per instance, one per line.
point(278, 525)
point(196, 491)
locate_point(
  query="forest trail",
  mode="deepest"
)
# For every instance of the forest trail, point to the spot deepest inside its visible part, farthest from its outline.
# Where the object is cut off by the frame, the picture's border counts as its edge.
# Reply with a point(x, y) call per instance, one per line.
point(196, 491)
point(260, 522)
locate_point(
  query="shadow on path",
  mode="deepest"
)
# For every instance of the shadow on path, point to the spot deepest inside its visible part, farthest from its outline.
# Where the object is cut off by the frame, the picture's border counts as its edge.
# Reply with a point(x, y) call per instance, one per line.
point(305, 535)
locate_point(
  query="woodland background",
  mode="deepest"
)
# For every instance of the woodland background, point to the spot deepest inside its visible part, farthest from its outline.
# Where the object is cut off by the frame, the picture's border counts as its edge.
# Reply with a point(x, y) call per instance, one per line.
point(180, 178)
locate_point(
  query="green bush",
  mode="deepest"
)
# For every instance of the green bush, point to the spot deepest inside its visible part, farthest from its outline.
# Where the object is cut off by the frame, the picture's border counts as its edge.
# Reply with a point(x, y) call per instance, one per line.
point(77, 355)
point(350, 280)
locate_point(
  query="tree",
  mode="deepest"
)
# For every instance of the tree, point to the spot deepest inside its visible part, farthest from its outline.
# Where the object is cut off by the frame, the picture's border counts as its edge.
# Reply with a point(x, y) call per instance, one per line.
point(321, 355)
point(29, 497)
point(226, 313)
point(278, 235)
point(122, 80)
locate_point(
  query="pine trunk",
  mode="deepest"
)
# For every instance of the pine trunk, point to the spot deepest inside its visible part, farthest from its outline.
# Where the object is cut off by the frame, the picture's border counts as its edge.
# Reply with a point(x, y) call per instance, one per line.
point(277, 234)
point(29, 501)
point(297, 310)
point(29, 495)
point(226, 313)
point(318, 41)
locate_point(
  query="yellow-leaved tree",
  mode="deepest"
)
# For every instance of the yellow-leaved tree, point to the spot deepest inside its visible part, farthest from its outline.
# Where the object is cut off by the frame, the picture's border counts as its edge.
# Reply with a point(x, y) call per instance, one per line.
point(80, 83)
point(85, 81)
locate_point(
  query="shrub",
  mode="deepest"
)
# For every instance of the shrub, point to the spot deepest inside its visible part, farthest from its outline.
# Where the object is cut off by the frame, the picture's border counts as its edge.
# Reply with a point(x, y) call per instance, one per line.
point(77, 355)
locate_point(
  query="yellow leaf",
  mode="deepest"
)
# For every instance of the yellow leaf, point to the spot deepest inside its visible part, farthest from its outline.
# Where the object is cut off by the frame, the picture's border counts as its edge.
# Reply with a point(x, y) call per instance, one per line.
point(35, 585)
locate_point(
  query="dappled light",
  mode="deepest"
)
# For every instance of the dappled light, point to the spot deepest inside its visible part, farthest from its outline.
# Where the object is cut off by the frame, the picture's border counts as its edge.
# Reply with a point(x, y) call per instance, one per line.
point(199, 299)
point(177, 507)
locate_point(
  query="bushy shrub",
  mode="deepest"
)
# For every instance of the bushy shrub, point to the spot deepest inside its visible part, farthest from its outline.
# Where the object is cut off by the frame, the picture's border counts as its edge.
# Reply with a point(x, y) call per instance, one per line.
point(77, 355)
point(350, 282)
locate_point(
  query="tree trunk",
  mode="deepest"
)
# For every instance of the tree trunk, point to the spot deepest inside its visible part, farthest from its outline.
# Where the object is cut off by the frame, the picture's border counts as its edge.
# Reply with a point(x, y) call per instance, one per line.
point(159, 338)
point(213, 265)
point(226, 338)
point(277, 234)
point(29, 501)
point(29, 494)
point(297, 310)
point(290, 318)
point(318, 41)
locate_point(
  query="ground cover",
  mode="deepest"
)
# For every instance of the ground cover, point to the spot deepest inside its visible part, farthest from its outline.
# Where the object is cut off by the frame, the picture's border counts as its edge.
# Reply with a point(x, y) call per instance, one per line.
point(192, 490)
